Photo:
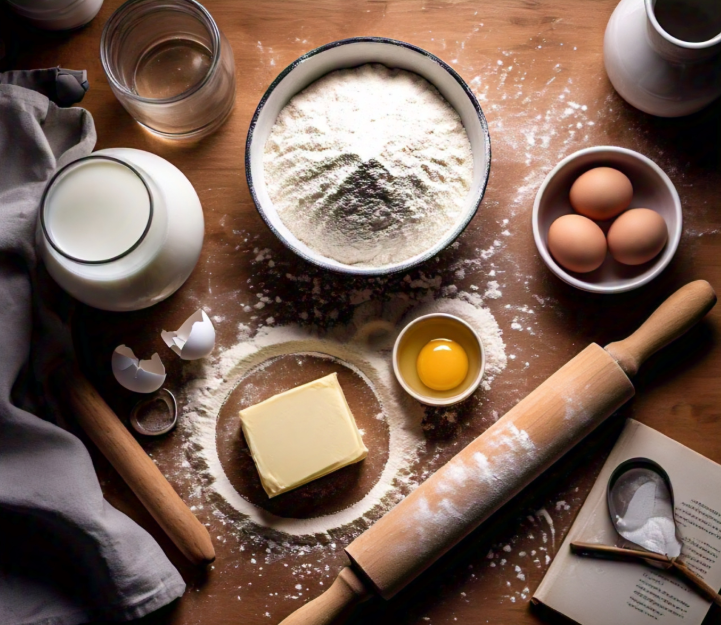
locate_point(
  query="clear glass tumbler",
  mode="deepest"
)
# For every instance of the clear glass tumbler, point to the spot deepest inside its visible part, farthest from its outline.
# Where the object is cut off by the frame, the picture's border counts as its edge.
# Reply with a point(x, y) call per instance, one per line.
point(170, 66)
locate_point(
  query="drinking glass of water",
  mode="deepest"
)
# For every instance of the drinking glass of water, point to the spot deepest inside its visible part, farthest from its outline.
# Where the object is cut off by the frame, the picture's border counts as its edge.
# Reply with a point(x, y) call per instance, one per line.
point(170, 66)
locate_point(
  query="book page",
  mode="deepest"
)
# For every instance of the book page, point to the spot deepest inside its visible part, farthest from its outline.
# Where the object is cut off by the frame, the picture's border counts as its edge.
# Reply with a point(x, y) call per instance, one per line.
point(593, 591)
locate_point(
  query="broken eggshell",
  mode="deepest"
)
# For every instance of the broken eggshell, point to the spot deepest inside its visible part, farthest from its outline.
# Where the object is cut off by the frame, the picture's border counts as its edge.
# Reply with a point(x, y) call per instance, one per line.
point(194, 339)
point(140, 376)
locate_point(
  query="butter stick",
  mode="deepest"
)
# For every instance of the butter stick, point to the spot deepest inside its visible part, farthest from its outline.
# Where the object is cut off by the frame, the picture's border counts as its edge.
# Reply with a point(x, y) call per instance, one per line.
point(302, 434)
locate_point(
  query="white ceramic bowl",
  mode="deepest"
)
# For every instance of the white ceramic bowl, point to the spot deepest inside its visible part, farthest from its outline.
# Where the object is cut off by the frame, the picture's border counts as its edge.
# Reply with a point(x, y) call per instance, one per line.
point(652, 189)
point(352, 53)
point(475, 351)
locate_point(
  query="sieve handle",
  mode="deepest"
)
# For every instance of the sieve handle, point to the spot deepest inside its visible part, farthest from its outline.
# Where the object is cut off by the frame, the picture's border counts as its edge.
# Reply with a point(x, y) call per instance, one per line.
point(593, 549)
point(701, 585)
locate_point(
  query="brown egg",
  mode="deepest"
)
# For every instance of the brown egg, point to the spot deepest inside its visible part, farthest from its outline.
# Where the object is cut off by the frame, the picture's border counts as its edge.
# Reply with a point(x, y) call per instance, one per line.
point(577, 243)
point(601, 193)
point(637, 236)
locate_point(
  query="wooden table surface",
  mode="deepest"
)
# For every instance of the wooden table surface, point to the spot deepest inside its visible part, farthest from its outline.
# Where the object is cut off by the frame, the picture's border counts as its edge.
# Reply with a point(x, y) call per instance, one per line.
point(537, 69)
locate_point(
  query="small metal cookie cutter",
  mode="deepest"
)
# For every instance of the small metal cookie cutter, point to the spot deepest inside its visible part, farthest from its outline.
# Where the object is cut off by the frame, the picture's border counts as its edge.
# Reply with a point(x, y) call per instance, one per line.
point(141, 425)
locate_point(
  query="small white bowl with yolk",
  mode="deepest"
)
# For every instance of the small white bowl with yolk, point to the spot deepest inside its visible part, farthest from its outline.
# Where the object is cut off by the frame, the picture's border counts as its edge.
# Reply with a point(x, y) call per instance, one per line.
point(438, 359)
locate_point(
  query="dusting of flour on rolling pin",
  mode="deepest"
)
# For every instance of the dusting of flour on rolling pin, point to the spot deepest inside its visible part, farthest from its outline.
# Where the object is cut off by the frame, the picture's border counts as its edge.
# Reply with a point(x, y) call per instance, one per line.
point(368, 166)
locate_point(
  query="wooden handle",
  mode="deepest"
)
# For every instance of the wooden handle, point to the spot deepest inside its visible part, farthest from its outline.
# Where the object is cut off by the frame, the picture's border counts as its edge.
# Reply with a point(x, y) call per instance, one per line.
point(606, 551)
point(674, 317)
point(335, 605)
point(140, 473)
point(592, 549)
point(705, 589)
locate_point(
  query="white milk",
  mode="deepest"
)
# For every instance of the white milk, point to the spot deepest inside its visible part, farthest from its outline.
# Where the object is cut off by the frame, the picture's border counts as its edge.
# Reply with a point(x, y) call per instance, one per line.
point(97, 243)
point(97, 211)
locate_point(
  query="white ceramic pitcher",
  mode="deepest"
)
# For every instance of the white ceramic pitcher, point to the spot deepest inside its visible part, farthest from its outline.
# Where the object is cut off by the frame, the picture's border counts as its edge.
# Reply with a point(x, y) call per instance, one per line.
point(664, 56)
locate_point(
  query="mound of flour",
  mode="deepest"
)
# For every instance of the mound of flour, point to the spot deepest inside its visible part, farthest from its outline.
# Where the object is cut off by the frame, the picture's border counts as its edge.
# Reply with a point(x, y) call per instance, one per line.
point(368, 166)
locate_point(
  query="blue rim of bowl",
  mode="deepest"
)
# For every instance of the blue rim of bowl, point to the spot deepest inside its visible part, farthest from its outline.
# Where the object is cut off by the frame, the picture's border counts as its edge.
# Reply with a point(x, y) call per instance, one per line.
point(363, 270)
point(558, 271)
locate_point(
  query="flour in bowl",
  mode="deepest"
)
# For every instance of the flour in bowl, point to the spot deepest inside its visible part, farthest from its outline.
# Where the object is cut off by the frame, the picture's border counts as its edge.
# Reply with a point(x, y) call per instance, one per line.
point(368, 166)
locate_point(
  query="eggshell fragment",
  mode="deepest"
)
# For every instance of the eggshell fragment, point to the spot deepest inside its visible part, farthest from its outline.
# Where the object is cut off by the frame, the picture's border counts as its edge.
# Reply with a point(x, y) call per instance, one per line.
point(637, 236)
point(140, 376)
point(194, 339)
point(601, 193)
point(577, 243)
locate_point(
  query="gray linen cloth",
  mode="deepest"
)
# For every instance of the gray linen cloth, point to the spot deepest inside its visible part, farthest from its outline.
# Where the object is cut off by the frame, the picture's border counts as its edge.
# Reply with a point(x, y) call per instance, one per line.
point(66, 555)
point(63, 86)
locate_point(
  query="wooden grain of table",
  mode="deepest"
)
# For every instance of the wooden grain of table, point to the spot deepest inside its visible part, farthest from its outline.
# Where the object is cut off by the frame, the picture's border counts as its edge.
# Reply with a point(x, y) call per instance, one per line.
point(537, 69)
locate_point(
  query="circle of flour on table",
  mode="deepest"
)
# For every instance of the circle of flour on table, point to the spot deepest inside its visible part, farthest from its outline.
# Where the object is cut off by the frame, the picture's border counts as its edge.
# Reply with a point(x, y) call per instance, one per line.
point(205, 396)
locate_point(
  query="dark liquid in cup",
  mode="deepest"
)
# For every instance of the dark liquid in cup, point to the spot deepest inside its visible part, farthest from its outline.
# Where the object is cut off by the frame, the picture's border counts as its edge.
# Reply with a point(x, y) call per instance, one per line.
point(689, 20)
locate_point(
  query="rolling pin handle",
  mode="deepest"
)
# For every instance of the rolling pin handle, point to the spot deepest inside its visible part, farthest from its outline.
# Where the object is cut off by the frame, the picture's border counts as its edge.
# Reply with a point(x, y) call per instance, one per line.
point(670, 320)
point(334, 606)
point(129, 459)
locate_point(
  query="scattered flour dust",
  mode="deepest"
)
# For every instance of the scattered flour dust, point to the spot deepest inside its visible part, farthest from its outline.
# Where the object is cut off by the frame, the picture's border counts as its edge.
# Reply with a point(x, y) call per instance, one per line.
point(543, 514)
point(205, 396)
point(369, 166)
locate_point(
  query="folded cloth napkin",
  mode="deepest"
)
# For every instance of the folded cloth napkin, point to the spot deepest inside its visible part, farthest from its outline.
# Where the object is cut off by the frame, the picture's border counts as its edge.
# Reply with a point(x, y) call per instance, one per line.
point(63, 86)
point(66, 555)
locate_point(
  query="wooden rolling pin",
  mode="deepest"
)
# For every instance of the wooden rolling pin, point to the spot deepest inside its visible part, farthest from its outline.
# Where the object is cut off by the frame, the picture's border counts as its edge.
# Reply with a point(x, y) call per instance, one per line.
point(140, 473)
point(501, 462)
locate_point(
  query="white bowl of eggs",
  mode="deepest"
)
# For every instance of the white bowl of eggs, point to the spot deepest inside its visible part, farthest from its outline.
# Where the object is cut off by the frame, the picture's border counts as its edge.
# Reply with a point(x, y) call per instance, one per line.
point(607, 220)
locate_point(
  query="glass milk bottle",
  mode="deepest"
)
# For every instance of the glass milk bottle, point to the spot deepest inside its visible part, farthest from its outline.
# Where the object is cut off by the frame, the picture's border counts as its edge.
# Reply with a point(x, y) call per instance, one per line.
point(121, 229)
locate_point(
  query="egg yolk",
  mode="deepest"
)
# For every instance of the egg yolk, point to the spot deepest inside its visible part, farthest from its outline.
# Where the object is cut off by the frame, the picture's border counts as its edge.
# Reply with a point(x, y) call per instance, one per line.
point(442, 364)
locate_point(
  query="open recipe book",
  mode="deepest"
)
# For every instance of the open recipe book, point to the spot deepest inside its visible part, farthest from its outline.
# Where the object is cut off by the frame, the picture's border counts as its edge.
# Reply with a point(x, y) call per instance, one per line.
point(593, 591)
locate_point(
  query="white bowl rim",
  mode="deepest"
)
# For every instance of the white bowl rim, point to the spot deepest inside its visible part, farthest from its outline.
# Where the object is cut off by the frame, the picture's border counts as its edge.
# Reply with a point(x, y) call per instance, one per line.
point(435, 401)
point(443, 242)
point(599, 288)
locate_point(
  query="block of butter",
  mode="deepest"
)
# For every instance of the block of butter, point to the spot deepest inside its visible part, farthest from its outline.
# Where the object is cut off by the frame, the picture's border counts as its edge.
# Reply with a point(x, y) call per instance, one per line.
point(302, 434)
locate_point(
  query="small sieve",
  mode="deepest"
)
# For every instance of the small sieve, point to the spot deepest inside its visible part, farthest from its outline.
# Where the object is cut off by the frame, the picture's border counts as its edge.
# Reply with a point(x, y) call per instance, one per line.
point(155, 415)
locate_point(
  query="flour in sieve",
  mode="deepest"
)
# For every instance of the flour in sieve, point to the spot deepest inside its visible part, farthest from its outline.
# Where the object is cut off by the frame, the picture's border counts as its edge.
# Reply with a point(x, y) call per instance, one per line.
point(368, 166)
